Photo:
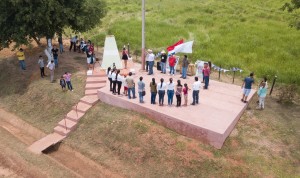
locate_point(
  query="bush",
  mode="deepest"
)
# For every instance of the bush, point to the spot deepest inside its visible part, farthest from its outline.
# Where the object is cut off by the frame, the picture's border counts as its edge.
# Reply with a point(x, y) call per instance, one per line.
point(287, 93)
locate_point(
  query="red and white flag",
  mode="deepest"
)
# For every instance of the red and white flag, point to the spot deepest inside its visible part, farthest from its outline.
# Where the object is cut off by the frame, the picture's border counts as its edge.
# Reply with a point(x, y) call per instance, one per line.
point(170, 48)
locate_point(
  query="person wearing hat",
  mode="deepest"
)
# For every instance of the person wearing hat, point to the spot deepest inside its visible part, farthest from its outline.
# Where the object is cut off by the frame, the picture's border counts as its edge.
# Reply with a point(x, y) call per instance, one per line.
point(21, 57)
point(163, 61)
point(150, 59)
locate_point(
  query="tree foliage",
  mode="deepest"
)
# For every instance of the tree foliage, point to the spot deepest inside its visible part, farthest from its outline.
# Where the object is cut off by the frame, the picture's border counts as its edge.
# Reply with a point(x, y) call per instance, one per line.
point(24, 20)
point(292, 7)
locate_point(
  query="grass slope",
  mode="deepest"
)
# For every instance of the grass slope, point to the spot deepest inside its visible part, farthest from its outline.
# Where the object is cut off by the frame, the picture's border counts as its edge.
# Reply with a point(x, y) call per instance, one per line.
point(263, 144)
point(252, 35)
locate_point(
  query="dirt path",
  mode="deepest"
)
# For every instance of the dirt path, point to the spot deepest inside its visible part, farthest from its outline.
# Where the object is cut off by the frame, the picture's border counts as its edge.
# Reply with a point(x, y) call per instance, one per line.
point(65, 157)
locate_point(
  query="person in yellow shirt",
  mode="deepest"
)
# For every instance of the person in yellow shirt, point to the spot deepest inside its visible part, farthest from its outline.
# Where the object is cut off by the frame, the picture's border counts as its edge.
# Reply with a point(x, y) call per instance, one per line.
point(21, 57)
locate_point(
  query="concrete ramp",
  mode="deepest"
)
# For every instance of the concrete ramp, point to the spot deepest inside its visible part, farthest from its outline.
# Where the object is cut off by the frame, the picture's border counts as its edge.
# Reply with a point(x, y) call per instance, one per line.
point(111, 54)
point(44, 143)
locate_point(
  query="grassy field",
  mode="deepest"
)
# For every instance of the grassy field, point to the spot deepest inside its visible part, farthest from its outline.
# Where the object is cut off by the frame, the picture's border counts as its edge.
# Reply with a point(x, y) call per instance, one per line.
point(263, 144)
point(253, 35)
point(35, 99)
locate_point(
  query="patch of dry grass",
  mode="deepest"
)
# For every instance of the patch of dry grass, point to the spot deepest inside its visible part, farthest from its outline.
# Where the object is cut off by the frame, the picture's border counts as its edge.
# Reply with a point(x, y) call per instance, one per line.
point(35, 99)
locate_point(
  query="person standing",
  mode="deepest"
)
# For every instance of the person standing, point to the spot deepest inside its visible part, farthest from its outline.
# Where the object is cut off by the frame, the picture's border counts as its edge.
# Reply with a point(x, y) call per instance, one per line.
point(163, 61)
point(114, 81)
point(185, 64)
point(42, 66)
point(262, 93)
point(170, 91)
point(21, 57)
point(141, 89)
point(60, 42)
point(178, 93)
point(185, 94)
point(247, 84)
point(109, 72)
point(67, 77)
point(125, 57)
point(51, 67)
point(131, 86)
point(196, 88)
point(161, 87)
point(206, 73)
point(153, 90)
point(150, 59)
point(55, 55)
point(73, 43)
point(119, 82)
point(172, 62)
point(62, 83)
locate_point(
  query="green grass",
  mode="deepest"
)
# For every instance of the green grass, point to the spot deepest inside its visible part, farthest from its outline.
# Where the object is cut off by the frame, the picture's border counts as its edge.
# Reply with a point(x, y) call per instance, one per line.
point(263, 144)
point(252, 35)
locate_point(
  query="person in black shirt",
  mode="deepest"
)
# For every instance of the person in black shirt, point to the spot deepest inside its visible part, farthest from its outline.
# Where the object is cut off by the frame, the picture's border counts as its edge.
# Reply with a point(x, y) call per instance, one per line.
point(55, 55)
point(163, 61)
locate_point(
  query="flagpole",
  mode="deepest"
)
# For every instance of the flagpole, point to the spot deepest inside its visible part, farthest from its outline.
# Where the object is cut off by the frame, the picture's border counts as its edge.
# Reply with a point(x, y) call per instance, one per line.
point(143, 35)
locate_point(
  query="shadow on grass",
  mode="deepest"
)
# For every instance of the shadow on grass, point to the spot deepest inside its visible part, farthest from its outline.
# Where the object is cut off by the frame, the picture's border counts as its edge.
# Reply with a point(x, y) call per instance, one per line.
point(15, 81)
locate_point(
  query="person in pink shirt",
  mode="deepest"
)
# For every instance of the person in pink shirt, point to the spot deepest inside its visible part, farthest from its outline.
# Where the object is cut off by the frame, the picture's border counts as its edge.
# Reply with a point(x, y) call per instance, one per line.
point(206, 73)
point(67, 77)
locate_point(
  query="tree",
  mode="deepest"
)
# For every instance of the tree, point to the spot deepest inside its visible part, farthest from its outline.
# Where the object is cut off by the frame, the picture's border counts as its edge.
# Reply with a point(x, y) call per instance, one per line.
point(292, 7)
point(22, 21)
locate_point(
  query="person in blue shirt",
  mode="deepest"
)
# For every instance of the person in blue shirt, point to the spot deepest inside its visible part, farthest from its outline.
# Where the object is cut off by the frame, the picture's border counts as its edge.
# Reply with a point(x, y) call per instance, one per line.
point(262, 93)
point(247, 85)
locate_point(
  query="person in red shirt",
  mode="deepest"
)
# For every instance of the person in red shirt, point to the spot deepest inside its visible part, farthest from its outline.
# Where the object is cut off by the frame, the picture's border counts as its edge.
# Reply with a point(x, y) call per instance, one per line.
point(172, 61)
point(206, 73)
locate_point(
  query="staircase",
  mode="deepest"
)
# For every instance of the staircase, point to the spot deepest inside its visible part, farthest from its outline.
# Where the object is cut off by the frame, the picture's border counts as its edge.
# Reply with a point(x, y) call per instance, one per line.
point(96, 79)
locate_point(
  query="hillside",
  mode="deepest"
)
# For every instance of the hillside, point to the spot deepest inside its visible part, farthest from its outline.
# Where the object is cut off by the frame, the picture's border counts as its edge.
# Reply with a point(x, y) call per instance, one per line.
point(251, 34)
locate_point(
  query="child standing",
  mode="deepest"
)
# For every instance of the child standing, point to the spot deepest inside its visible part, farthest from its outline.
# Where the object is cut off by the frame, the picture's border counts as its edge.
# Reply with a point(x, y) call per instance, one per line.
point(185, 94)
point(62, 83)
point(42, 66)
point(125, 85)
point(262, 93)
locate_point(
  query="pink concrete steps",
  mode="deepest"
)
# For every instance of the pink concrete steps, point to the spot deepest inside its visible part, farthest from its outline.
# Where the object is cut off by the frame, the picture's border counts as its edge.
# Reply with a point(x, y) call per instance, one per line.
point(90, 99)
point(94, 86)
point(62, 130)
point(74, 116)
point(47, 141)
point(96, 79)
point(82, 107)
point(67, 123)
point(91, 92)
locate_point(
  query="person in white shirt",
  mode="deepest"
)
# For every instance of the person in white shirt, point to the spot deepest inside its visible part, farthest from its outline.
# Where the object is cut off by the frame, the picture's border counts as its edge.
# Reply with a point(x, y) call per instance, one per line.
point(114, 81)
point(150, 59)
point(109, 71)
point(170, 91)
point(161, 87)
point(119, 81)
point(51, 67)
point(196, 88)
point(73, 43)
point(42, 65)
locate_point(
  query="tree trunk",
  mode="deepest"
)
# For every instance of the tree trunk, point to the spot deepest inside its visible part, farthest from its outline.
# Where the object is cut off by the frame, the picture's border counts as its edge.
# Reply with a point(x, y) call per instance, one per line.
point(48, 51)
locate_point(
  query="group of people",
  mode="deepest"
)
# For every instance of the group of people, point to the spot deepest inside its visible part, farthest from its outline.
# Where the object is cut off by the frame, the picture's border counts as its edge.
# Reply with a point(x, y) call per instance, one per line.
point(171, 88)
point(86, 47)
point(262, 90)
point(171, 61)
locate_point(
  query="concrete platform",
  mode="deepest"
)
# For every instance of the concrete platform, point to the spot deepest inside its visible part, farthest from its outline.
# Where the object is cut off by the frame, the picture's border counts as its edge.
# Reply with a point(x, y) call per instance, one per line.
point(211, 121)
point(40, 145)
